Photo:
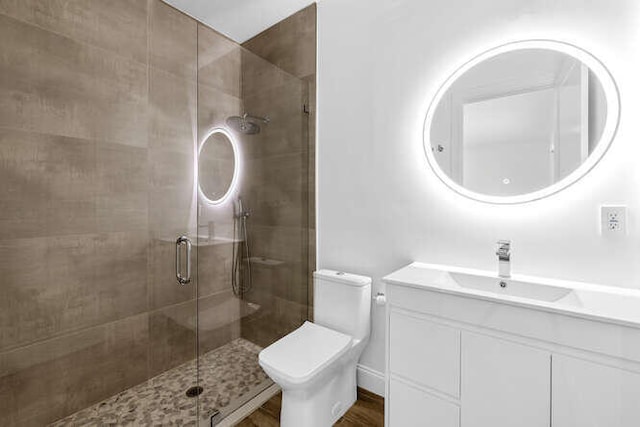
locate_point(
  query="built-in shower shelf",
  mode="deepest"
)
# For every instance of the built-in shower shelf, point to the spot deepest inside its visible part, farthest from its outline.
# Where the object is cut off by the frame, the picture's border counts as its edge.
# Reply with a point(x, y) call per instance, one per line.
point(204, 241)
point(215, 241)
point(267, 262)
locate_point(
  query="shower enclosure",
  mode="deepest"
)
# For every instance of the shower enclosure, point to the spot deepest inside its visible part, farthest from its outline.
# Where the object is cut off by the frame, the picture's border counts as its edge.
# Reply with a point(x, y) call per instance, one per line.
point(116, 258)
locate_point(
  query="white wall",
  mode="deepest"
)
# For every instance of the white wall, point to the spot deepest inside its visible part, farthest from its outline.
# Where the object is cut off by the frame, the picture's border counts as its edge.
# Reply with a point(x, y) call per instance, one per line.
point(380, 206)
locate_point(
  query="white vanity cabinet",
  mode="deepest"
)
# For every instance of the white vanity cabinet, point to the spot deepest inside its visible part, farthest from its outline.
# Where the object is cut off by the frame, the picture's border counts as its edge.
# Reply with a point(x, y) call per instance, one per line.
point(435, 370)
point(436, 347)
point(457, 360)
point(413, 406)
point(504, 384)
point(425, 396)
point(592, 394)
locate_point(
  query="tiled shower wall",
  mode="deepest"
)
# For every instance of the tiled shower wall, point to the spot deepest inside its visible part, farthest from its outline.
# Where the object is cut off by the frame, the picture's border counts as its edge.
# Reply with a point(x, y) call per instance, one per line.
point(101, 107)
point(97, 133)
point(281, 190)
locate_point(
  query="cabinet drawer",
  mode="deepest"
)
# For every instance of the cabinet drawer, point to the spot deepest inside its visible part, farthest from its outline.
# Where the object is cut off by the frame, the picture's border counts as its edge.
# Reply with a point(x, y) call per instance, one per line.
point(409, 406)
point(425, 352)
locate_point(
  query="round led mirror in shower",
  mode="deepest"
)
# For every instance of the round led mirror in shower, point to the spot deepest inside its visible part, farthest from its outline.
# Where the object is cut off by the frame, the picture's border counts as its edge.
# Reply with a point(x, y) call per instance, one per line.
point(521, 121)
point(218, 166)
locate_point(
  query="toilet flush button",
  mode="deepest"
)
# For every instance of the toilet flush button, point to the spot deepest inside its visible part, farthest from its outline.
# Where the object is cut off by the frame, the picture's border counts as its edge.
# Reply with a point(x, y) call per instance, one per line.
point(336, 409)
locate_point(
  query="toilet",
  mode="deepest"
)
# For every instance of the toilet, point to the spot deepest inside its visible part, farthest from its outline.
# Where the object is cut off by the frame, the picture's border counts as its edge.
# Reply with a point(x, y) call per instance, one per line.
point(315, 365)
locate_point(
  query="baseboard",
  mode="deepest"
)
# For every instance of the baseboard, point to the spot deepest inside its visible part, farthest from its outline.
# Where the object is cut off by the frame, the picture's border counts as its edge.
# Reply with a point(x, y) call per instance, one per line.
point(370, 380)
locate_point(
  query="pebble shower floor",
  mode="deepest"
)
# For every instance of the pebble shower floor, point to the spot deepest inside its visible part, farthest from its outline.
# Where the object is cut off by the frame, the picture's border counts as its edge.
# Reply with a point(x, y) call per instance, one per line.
point(227, 374)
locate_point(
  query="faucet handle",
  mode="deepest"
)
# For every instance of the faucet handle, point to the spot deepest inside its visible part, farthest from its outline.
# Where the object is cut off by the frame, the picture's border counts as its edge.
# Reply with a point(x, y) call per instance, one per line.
point(503, 248)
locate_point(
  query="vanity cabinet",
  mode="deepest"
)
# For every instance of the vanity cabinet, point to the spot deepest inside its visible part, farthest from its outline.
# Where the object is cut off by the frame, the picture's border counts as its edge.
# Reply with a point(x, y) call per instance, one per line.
point(436, 350)
point(412, 406)
point(504, 384)
point(591, 394)
point(460, 361)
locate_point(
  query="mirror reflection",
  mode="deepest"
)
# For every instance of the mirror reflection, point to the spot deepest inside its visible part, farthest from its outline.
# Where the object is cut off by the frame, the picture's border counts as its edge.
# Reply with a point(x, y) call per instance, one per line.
point(518, 122)
point(216, 166)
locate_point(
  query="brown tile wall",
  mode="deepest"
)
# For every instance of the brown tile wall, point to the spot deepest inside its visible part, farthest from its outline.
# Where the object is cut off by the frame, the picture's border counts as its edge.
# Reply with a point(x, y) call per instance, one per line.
point(290, 44)
point(281, 181)
point(98, 128)
point(102, 104)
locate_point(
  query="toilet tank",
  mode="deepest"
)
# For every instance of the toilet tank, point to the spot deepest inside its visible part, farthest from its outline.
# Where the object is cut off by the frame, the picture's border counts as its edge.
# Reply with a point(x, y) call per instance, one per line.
point(342, 302)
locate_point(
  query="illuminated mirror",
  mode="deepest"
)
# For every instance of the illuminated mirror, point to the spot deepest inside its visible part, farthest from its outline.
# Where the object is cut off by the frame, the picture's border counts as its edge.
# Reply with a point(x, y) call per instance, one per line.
point(521, 122)
point(217, 166)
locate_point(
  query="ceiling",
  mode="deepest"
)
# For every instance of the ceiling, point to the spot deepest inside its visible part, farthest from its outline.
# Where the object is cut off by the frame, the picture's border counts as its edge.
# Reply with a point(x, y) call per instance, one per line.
point(239, 19)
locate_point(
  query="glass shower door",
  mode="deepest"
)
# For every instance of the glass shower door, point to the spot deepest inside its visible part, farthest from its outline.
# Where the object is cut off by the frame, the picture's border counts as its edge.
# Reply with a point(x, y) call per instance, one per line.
point(172, 387)
point(97, 154)
point(253, 218)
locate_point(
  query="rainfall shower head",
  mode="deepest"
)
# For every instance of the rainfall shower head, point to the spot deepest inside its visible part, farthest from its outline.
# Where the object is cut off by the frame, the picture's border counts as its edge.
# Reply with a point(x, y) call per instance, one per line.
point(246, 123)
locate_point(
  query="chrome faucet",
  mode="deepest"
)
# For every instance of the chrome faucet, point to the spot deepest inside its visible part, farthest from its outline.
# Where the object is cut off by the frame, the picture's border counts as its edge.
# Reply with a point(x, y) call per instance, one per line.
point(503, 250)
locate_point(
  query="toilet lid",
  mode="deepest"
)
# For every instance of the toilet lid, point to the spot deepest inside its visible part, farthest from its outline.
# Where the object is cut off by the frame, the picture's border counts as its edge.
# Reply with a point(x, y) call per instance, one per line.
point(304, 352)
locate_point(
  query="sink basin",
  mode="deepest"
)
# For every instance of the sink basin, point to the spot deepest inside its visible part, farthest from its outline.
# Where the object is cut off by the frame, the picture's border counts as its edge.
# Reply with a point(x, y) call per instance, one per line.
point(611, 303)
point(515, 288)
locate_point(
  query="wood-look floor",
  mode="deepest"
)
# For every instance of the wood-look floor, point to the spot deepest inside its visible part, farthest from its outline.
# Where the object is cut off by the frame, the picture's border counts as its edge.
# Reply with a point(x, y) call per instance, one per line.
point(367, 411)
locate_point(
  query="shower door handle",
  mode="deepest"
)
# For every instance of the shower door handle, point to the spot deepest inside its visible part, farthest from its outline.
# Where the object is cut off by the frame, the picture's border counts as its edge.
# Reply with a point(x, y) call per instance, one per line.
point(183, 241)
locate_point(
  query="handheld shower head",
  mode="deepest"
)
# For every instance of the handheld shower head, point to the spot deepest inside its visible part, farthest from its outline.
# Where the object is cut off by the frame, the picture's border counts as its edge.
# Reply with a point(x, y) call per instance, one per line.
point(239, 209)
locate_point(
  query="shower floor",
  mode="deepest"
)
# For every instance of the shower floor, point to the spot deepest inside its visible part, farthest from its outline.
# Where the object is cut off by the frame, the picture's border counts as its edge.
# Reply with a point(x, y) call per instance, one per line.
point(229, 375)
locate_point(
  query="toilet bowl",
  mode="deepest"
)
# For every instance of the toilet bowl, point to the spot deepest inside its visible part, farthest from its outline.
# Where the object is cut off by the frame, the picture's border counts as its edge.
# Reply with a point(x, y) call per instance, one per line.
point(315, 365)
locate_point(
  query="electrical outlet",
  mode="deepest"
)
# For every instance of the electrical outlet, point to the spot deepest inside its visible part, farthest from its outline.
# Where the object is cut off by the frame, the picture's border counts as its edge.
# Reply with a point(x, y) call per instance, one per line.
point(613, 220)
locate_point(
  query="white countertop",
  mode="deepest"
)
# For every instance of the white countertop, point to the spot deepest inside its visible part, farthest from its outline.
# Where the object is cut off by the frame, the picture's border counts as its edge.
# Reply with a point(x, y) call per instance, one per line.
point(592, 301)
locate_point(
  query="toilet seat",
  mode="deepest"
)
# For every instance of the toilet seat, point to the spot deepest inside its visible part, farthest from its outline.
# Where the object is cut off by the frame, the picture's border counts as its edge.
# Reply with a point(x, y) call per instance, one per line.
point(305, 352)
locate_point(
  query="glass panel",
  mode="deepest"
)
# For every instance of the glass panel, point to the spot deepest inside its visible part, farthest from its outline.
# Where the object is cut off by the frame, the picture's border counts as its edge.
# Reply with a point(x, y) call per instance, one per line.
point(99, 167)
point(172, 393)
point(252, 246)
point(97, 150)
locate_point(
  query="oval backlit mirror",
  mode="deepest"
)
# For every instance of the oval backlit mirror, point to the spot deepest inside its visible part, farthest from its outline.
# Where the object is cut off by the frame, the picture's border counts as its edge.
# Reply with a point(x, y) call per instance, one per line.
point(521, 121)
point(217, 166)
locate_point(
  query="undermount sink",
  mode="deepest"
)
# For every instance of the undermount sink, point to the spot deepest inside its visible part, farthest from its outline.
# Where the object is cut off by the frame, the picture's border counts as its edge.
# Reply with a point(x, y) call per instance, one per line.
point(610, 303)
point(507, 286)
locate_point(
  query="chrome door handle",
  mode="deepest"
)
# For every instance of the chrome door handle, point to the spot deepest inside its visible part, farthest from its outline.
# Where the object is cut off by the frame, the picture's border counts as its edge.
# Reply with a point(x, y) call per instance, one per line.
point(183, 241)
